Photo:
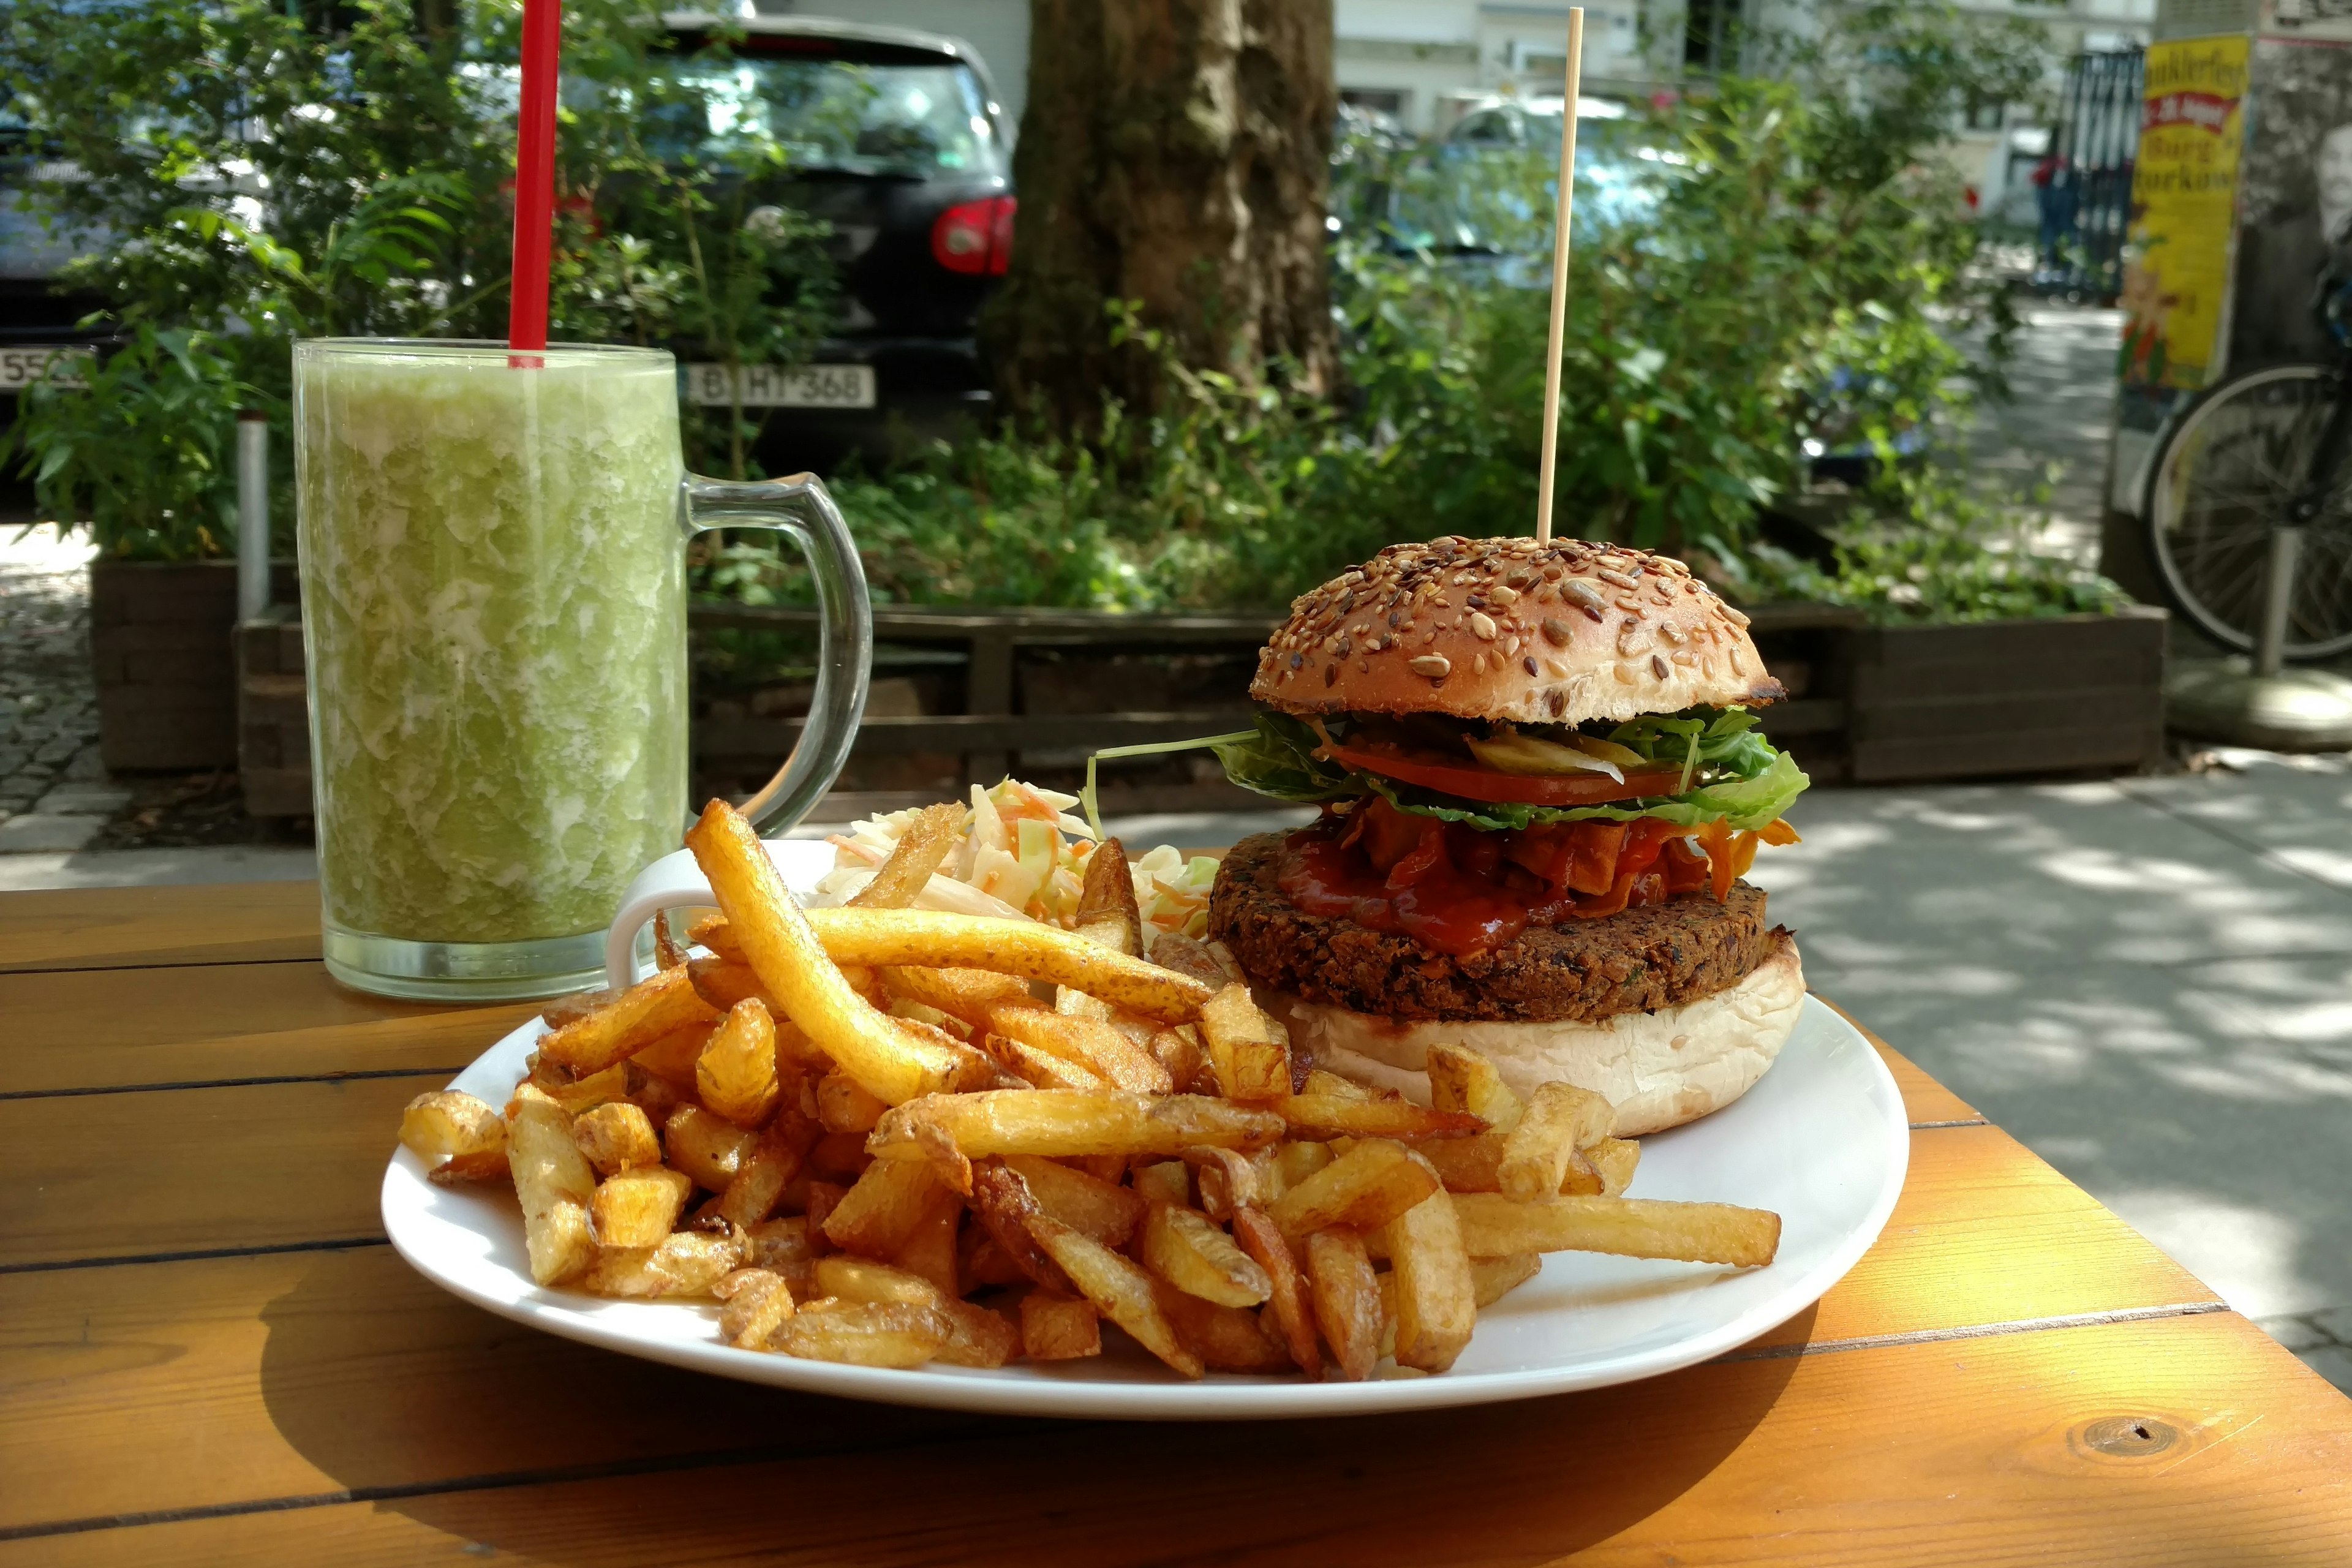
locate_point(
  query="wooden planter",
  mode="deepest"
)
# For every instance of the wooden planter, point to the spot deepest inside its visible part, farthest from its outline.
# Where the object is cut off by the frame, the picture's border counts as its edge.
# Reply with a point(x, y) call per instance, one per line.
point(159, 643)
point(1999, 698)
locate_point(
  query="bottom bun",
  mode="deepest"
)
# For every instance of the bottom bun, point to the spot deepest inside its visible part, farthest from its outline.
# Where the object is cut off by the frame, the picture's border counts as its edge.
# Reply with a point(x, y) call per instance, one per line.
point(1657, 1069)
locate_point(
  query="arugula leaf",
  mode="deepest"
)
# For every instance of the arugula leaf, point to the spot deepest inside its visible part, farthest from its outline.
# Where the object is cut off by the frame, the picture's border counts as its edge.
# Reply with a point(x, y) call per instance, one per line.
point(1748, 805)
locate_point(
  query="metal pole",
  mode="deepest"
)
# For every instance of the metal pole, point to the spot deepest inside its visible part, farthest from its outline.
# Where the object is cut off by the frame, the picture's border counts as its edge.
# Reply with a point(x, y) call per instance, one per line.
point(2278, 598)
point(252, 514)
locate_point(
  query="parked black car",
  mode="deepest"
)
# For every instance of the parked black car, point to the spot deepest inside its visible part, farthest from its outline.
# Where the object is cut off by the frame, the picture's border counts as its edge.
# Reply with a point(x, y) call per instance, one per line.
point(896, 140)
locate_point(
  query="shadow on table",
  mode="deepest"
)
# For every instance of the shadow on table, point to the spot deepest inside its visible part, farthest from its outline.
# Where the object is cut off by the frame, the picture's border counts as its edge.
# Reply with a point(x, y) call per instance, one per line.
point(441, 1416)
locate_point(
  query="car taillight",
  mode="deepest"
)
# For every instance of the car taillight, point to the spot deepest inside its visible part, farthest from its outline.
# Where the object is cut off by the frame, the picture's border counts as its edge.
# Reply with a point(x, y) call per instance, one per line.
point(976, 236)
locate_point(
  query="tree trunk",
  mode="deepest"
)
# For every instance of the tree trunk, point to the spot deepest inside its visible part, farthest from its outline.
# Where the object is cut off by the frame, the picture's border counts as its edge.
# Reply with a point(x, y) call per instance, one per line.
point(1175, 153)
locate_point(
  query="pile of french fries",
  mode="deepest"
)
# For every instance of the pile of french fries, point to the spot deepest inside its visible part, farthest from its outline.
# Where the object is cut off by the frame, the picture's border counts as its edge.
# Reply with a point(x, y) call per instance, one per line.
point(889, 1137)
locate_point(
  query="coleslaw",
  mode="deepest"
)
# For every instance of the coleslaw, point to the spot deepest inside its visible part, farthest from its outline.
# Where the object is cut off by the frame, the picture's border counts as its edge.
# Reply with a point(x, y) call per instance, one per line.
point(1023, 855)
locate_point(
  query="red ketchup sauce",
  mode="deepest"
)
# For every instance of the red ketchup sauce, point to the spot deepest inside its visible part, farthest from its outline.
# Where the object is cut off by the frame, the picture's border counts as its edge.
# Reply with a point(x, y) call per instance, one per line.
point(1462, 891)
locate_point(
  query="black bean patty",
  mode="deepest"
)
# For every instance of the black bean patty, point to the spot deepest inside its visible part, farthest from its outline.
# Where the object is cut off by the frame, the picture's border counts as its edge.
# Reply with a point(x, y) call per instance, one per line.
point(1660, 955)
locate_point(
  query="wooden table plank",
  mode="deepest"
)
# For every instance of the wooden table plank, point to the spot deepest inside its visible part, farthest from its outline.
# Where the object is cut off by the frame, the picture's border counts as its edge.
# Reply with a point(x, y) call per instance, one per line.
point(117, 928)
point(83, 1029)
point(144, 1174)
point(245, 1371)
point(1973, 1455)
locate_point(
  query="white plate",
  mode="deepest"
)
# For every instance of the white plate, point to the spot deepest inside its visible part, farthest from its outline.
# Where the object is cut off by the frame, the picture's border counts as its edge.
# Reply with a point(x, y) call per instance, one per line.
point(1821, 1140)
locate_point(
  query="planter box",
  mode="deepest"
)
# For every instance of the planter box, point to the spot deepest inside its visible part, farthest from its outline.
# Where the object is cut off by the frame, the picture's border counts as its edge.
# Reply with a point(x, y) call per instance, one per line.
point(1996, 697)
point(159, 643)
point(273, 717)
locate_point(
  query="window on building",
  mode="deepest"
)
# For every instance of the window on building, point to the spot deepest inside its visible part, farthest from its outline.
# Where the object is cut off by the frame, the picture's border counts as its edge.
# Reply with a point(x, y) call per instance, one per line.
point(1707, 29)
point(1388, 100)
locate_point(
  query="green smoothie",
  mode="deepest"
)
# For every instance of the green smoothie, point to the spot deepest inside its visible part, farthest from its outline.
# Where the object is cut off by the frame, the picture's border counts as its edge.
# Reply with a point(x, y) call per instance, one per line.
point(494, 606)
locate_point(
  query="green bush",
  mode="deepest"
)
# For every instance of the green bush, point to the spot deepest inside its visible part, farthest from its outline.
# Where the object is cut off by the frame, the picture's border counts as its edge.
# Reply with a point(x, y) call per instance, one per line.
point(1802, 272)
point(265, 172)
point(143, 449)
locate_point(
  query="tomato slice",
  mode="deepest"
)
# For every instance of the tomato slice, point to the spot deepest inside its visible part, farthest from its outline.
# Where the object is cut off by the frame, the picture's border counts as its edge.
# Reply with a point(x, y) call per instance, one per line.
point(1506, 789)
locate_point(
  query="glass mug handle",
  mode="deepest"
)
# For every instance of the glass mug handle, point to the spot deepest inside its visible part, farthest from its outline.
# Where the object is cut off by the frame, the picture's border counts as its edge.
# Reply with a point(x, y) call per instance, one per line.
point(800, 506)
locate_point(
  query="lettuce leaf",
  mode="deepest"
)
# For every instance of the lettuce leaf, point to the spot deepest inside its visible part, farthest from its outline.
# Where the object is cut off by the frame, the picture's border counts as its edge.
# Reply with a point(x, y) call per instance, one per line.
point(1747, 782)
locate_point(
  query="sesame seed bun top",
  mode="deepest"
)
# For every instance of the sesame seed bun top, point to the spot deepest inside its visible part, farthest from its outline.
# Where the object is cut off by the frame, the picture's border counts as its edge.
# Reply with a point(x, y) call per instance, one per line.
point(1511, 629)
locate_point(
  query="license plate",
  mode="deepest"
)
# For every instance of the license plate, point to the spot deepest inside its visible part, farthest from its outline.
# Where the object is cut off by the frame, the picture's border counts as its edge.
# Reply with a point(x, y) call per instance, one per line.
point(24, 366)
point(784, 387)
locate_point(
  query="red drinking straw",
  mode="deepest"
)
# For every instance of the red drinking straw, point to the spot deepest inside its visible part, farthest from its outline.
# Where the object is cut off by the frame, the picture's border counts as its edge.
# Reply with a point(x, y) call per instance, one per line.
point(542, 32)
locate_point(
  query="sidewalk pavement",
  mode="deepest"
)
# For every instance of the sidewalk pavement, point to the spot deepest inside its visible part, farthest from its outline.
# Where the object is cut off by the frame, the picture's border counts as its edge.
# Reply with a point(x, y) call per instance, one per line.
point(2148, 982)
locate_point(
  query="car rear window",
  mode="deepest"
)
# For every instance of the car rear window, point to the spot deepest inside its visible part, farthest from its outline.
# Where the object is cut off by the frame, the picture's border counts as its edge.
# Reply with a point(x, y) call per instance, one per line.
point(916, 118)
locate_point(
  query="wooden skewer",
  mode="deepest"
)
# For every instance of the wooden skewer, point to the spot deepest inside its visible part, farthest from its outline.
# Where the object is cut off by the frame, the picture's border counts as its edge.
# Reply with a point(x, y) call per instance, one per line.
point(1560, 274)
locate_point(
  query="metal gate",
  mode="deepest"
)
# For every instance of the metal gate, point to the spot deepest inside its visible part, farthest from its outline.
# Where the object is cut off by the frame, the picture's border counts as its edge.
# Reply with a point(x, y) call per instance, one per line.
point(2097, 138)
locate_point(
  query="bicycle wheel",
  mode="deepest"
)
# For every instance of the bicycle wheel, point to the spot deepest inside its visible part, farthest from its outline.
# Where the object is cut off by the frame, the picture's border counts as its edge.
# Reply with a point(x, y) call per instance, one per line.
point(2225, 471)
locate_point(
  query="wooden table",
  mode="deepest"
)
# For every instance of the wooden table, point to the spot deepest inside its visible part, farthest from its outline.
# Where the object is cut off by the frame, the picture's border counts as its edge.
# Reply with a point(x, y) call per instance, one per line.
point(210, 1355)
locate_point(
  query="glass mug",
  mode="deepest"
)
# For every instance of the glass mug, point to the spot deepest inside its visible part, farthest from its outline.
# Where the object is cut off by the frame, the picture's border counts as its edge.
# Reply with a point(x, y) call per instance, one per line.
point(492, 553)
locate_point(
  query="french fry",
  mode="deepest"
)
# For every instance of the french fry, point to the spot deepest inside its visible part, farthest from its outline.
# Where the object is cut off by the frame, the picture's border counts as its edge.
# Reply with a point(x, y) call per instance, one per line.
point(627, 1025)
point(864, 1334)
point(841, 1155)
point(1249, 1052)
point(757, 1301)
point(723, 982)
point(1091, 1043)
point(1616, 1158)
point(555, 1187)
point(844, 1105)
point(1538, 1153)
point(882, 1210)
point(857, 1279)
point(760, 1180)
point(685, 1263)
point(1437, 1298)
point(1466, 1165)
point(1298, 1161)
point(712, 932)
point(666, 950)
point(1059, 1328)
point(708, 1148)
point(440, 1126)
point(823, 1197)
point(1072, 1002)
point(736, 1074)
point(1165, 1182)
point(1184, 1247)
point(1329, 1116)
point(1230, 1180)
point(1492, 1279)
point(1103, 1210)
point(1347, 1300)
point(882, 1053)
point(970, 994)
point(1004, 1206)
point(569, 1009)
point(1330, 1084)
point(1174, 950)
point(1179, 1051)
point(580, 1094)
point(1120, 1290)
point(1492, 1224)
point(640, 1208)
point(1107, 908)
point(672, 1056)
point(1026, 948)
point(1041, 1069)
point(1365, 1188)
point(929, 1252)
point(482, 1165)
point(1057, 1122)
point(922, 848)
point(1462, 1080)
point(1293, 1309)
point(1226, 1339)
point(977, 1336)
point(781, 1247)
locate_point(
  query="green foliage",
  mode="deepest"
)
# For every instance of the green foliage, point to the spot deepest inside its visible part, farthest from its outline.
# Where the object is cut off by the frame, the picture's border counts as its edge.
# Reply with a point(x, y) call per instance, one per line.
point(1781, 259)
point(1921, 547)
point(263, 172)
point(172, 398)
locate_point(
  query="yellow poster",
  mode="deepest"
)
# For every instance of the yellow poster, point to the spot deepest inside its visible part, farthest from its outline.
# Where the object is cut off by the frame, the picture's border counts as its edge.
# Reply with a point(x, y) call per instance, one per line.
point(2184, 192)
